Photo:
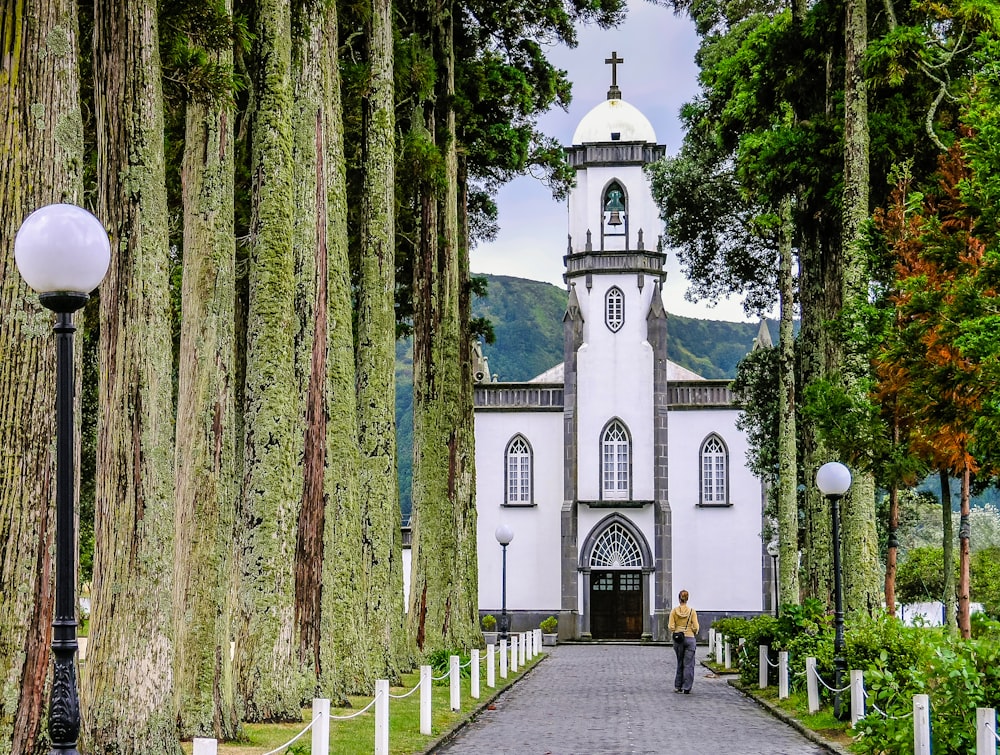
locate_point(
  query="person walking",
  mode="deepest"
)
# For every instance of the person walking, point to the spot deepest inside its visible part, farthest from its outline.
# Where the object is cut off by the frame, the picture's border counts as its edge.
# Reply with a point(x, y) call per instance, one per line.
point(683, 625)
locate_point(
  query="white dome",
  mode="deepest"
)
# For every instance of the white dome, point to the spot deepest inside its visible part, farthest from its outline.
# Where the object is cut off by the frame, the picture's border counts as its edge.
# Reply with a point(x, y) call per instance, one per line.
point(614, 116)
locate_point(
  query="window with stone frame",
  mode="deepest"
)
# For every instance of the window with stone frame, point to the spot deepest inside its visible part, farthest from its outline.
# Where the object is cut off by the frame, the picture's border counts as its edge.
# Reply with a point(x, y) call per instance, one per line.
point(614, 309)
point(615, 462)
point(714, 459)
point(517, 463)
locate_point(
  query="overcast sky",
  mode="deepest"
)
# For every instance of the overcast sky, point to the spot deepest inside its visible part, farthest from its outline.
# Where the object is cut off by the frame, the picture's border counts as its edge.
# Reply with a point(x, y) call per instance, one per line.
point(658, 76)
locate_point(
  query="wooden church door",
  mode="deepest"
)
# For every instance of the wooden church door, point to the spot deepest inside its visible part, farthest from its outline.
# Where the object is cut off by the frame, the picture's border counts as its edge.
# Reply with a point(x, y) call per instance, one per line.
point(616, 605)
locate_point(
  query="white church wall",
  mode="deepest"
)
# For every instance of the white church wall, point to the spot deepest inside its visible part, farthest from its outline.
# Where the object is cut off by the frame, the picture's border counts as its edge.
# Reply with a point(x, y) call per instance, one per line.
point(533, 558)
point(717, 552)
point(615, 379)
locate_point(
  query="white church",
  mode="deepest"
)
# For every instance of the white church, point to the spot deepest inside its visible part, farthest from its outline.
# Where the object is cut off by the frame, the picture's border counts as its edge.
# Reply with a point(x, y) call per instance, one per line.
point(621, 475)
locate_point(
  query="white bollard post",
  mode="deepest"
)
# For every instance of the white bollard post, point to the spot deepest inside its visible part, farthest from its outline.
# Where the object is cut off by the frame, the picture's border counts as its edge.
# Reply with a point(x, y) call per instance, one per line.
point(513, 652)
point(857, 696)
point(425, 700)
point(530, 637)
point(503, 659)
point(762, 663)
point(986, 727)
point(205, 746)
point(782, 674)
point(921, 725)
point(455, 677)
point(321, 727)
point(491, 661)
point(812, 686)
point(522, 650)
point(729, 655)
point(474, 667)
point(711, 640)
point(719, 640)
point(381, 717)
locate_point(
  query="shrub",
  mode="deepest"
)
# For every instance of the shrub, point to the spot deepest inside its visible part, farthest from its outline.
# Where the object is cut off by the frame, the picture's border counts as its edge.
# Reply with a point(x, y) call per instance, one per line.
point(440, 663)
point(549, 625)
point(489, 622)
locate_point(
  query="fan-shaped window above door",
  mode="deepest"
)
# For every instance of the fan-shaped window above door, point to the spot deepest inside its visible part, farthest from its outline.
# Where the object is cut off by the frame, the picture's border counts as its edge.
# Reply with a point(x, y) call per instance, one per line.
point(616, 549)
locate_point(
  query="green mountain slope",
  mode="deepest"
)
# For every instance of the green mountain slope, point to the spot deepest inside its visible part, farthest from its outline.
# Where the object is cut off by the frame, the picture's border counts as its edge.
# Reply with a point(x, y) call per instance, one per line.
point(527, 321)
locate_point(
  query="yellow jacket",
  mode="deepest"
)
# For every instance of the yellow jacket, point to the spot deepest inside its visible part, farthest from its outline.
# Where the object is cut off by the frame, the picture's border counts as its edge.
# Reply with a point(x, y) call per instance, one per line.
point(683, 619)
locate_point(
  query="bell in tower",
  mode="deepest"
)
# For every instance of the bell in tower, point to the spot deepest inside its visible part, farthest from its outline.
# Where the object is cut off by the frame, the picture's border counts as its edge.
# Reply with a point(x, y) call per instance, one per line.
point(614, 206)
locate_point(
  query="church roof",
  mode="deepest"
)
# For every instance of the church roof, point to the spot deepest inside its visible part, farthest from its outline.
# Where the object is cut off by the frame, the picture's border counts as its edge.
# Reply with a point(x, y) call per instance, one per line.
point(558, 375)
point(614, 117)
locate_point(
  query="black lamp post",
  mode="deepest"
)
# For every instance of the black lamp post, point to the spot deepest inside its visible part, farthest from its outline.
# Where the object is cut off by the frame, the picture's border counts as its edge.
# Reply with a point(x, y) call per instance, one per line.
point(833, 480)
point(63, 252)
point(504, 535)
point(772, 551)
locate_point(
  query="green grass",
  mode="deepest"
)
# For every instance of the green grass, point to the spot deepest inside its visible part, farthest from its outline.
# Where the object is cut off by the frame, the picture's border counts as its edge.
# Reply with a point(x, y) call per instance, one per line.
point(357, 735)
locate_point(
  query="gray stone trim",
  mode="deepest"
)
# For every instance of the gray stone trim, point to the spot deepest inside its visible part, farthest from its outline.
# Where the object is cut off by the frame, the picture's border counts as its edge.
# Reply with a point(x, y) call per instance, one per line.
point(700, 394)
point(585, 615)
point(656, 335)
point(637, 261)
point(613, 504)
point(569, 619)
point(518, 396)
point(614, 154)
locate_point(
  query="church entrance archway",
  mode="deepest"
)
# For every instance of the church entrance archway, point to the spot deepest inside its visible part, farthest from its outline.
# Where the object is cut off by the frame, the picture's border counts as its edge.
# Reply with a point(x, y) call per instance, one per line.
point(615, 562)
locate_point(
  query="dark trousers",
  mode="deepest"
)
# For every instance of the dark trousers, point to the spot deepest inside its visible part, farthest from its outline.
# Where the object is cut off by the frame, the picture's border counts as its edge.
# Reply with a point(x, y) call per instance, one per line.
point(684, 651)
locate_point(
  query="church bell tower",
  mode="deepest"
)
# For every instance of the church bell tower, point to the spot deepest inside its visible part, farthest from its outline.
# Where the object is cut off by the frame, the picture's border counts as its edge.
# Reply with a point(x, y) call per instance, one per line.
point(615, 420)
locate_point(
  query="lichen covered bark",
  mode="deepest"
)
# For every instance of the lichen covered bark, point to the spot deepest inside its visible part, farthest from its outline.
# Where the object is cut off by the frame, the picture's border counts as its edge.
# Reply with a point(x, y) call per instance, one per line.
point(376, 390)
point(862, 565)
point(270, 681)
point(330, 584)
point(41, 159)
point(205, 470)
point(788, 505)
point(443, 605)
point(128, 689)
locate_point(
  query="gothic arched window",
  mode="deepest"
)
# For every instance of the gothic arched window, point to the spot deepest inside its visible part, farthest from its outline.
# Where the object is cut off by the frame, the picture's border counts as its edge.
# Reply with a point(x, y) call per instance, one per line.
point(616, 549)
point(714, 472)
point(517, 462)
point(615, 461)
point(614, 309)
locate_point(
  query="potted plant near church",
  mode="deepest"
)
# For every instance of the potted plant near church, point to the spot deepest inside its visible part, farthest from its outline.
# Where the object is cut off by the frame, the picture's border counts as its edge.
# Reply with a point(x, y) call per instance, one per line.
point(549, 633)
point(489, 622)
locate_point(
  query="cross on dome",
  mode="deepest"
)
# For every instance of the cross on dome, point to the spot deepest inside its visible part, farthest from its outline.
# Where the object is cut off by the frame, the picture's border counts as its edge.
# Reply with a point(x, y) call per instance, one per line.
point(614, 93)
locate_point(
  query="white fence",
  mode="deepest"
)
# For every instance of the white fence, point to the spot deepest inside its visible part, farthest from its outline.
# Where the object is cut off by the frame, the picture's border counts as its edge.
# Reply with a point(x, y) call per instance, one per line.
point(523, 648)
point(986, 718)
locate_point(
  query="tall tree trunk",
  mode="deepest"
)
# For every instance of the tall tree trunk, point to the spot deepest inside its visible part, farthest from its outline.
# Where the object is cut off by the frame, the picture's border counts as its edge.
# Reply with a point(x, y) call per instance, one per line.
point(964, 533)
point(128, 688)
point(41, 162)
point(862, 567)
point(340, 646)
point(205, 472)
point(788, 503)
point(270, 680)
point(376, 359)
point(311, 262)
point(948, 553)
point(892, 552)
point(817, 289)
point(440, 614)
